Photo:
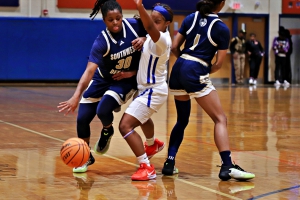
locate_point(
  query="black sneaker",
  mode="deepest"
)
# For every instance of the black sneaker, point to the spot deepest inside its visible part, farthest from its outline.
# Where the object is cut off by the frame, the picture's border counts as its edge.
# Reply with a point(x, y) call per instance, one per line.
point(84, 167)
point(234, 171)
point(169, 168)
point(102, 144)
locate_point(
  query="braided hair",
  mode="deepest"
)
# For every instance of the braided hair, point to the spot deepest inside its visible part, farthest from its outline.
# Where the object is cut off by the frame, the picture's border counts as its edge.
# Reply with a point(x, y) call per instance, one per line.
point(105, 6)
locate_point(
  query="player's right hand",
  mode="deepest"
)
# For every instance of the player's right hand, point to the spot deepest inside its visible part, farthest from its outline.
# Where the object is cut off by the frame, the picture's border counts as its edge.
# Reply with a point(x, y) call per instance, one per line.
point(68, 106)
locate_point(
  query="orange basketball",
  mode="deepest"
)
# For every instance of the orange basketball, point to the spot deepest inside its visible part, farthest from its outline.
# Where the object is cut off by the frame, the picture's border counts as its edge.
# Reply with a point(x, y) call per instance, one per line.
point(75, 152)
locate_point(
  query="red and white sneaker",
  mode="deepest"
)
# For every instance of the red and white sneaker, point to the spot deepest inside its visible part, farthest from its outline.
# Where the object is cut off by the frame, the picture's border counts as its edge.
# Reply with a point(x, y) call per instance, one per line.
point(155, 148)
point(144, 173)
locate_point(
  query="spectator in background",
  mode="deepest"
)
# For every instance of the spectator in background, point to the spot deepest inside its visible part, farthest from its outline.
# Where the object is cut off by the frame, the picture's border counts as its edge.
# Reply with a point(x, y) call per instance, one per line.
point(238, 49)
point(255, 52)
point(281, 48)
point(288, 56)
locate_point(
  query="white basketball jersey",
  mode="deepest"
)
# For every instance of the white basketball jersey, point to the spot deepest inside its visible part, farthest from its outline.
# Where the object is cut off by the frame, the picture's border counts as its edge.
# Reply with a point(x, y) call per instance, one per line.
point(153, 63)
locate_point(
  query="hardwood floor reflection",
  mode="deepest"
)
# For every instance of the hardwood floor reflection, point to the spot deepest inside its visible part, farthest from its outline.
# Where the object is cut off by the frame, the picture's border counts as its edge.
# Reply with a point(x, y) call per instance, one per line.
point(263, 124)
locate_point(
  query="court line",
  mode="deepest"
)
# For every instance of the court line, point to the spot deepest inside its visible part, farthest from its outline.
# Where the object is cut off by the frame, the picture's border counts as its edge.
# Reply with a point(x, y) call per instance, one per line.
point(201, 142)
point(251, 153)
point(274, 192)
point(124, 161)
point(32, 131)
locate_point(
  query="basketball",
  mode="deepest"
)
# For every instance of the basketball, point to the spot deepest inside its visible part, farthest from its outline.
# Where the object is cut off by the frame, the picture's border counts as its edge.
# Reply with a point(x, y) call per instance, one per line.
point(74, 152)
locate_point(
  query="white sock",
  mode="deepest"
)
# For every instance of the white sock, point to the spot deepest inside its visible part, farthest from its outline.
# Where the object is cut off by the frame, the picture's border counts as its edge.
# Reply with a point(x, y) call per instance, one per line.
point(150, 141)
point(143, 159)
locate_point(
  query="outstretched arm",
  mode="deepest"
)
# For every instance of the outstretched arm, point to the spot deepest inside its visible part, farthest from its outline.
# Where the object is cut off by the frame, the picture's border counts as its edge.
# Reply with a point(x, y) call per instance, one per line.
point(147, 21)
point(72, 103)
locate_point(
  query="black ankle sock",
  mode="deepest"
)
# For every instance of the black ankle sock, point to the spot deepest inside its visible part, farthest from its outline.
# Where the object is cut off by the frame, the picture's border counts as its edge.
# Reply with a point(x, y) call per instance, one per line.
point(226, 158)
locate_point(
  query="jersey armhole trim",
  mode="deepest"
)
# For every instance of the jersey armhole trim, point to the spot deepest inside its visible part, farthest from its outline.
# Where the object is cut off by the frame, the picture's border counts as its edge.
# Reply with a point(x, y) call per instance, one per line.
point(209, 30)
point(130, 27)
point(194, 22)
point(100, 72)
point(107, 42)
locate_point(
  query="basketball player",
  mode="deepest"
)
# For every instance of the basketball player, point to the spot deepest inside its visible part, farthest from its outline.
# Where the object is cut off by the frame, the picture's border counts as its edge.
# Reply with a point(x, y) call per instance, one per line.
point(204, 34)
point(152, 88)
point(110, 75)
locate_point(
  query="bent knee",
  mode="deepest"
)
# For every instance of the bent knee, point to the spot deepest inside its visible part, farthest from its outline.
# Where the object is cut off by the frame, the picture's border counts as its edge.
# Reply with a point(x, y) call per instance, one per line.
point(221, 119)
point(124, 128)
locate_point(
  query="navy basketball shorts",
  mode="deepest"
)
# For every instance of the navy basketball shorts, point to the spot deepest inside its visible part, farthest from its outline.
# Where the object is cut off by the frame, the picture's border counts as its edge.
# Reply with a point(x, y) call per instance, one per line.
point(190, 77)
point(121, 91)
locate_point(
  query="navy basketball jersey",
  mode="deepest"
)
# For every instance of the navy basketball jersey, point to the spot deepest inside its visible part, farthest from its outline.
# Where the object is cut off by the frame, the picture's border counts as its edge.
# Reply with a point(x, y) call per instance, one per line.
point(204, 36)
point(113, 52)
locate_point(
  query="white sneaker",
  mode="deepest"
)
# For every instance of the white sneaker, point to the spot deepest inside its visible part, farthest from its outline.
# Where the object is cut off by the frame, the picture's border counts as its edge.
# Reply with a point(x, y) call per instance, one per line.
point(84, 167)
point(277, 83)
point(234, 171)
point(250, 81)
point(286, 84)
point(254, 82)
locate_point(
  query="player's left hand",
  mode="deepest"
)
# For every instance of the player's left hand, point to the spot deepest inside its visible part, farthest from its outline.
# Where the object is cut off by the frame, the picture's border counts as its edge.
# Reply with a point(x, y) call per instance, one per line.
point(122, 75)
point(138, 2)
point(138, 43)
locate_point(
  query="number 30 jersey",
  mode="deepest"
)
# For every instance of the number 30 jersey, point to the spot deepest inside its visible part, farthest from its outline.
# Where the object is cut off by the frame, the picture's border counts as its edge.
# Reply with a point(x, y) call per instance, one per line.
point(113, 52)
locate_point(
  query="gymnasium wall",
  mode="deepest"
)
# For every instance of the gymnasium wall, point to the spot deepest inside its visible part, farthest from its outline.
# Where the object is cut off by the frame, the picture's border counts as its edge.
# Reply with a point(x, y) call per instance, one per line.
point(45, 49)
point(31, 10)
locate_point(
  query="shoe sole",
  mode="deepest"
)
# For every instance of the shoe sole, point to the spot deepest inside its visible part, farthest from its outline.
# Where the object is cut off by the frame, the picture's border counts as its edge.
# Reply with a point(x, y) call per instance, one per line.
point(148, 178)
point(105, 149)
point(243, 178)
point(159, 149)
point(80, 171)
point(169, 173)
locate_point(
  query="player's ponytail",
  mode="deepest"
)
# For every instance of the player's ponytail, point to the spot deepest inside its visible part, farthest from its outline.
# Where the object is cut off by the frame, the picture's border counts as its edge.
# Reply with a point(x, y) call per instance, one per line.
point(206, 7)
point(105, 6)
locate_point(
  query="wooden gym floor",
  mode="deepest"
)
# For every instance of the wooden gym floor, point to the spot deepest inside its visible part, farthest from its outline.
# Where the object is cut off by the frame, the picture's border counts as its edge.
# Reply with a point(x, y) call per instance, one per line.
point(263, 124)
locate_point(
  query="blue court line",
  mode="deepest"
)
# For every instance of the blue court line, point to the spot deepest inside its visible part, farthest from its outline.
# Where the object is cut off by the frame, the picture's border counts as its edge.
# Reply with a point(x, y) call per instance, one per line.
point(274, 192)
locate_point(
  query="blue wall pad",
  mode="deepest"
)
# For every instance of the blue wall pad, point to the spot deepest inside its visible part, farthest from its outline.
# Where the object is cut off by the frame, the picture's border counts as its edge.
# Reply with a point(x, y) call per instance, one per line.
point(45, 49)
